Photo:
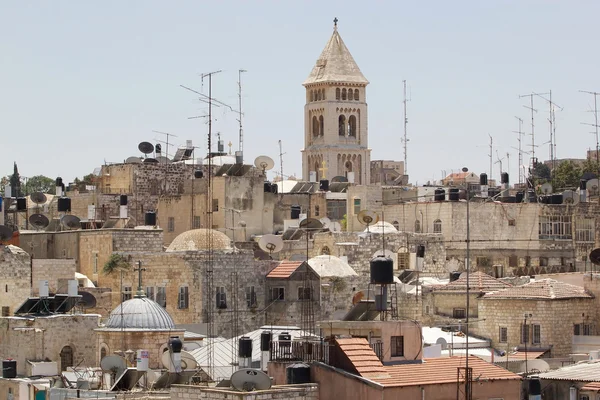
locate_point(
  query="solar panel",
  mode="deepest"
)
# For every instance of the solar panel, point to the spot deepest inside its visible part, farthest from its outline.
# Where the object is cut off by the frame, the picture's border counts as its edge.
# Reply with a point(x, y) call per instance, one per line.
point(58, 304)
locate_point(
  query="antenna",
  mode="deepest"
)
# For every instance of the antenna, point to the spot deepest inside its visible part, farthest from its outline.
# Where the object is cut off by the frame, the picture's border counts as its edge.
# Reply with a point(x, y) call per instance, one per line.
point(519, 149)
point(595, 125)
point(71, 222)
point(271, 243)
point(499, 161)
point(281, 153)
point(241, 138)
point(533, 110)
point(167, 142)
point(146, 148)
point(38, 197)
point(570, 197)
point(405, 138)
point(491, 156)
point(114, 364)
point(39, 221)
point(552, 121)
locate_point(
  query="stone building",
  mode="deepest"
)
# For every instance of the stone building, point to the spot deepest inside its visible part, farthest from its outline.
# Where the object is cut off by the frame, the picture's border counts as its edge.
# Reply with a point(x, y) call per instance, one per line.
point(388, 173)
point(336, 135)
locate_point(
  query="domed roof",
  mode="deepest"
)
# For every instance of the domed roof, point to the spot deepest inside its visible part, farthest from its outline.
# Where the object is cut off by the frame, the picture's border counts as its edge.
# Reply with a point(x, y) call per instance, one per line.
point(382, 227)
point(197, 239)
point(327, 266)
point(140, 313)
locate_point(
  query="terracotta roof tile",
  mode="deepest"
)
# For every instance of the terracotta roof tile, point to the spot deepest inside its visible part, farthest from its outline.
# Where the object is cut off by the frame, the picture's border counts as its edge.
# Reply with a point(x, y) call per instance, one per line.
point(543, 289)
point(592, 386)
point(361, 355)
point(478, 282)
point(284, 269)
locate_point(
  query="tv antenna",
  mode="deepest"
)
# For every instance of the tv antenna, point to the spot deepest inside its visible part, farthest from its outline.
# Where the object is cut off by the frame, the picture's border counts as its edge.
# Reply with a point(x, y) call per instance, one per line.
point(552, 121)
point(264, 163)
point(533, 111)
point(595, 125)
point(491, 154)
point(168, 135)
point(405, 138)
point(281, 153)
point(241, 134)
point(519, 149)
point(368, 218)
point(499, 161)
point(271, 243)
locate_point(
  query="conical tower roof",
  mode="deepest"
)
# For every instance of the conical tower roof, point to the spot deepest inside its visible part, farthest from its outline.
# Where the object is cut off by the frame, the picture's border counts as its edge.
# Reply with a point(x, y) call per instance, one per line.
point(336, 64)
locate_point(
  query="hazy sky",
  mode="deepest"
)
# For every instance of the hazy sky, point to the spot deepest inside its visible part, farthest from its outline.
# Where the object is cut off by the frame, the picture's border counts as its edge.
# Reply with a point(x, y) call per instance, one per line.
point(84, 82)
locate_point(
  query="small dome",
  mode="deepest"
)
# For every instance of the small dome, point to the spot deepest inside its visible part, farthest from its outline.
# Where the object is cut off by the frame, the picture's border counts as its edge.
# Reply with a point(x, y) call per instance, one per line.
point(382, 227)
point(140, 313)
point(197, 239)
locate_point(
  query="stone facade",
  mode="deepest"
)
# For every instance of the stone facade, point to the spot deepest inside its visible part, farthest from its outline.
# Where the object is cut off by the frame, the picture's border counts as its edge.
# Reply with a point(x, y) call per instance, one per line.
point(56, 272)
point(15, 278)
point(307, 391)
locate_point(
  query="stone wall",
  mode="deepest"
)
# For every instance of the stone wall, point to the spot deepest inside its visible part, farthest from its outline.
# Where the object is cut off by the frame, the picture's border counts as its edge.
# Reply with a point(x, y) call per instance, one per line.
point(56, 272)
point(15, 278)
point(307, 391)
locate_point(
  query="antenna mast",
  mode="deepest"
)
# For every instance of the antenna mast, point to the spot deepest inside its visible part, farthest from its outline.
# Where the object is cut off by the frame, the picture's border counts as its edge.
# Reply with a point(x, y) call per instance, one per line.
point(519, 149)
point(533, 110)
point(595, 124)
point(491, 154)
point(241, 138)
point(405, 138)
point(281, 153)
point(552, 121)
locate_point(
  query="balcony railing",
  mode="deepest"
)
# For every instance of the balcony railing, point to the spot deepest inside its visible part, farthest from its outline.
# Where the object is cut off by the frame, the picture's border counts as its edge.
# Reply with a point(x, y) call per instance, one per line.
point(300, 351)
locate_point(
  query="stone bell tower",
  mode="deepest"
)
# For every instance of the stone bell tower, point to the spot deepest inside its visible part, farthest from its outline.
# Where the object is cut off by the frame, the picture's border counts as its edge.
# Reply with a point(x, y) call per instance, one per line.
point(336, 133)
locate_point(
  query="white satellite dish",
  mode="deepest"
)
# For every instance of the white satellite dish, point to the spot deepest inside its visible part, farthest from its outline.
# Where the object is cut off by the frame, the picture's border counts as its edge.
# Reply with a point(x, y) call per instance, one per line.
point(546, 188)
point(570, 197)
point(271, 243)
point(326, 222)
point(187, 361)
point(264, 163)
point(592, 186)
point(247, 380)
point(535, 365)
point(335, 227)
point(133, 160)
point(113, 363)
point(367, 217)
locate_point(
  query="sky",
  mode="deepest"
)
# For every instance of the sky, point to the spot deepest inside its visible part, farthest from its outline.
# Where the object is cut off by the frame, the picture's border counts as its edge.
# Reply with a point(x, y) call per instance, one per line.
point(82, 83)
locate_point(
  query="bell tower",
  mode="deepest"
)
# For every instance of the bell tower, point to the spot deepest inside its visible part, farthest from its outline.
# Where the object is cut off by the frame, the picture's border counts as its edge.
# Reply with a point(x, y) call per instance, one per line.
point(336, 134)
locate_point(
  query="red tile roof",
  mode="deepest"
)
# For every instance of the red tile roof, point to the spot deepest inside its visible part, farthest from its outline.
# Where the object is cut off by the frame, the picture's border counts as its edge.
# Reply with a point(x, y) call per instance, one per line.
point(362, 356)
point(592, 386)
point(544, 289)
point(478, 282)
point(435, 371)
point(284, 270)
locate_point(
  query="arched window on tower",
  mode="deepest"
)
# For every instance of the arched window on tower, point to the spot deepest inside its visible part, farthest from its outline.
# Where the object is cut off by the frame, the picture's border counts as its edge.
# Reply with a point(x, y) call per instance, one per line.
point(337, 93)
point(344, 94)
point(348, 168)
point(350, 94)
point(310, 95)
point(352, 126)
point(342, 125)
point(66, 358)
point(356, 94)
point(318, 95)
point(321, 125)
point(437, 226)
point(323, 94)
point(315, 126)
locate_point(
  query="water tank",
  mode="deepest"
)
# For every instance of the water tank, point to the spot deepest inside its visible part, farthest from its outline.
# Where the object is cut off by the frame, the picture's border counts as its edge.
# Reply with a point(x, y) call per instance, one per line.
point(59, 181)
point(21, 204)
point(64, 204)
point(508, 199)
point(198, 174)
point(143, 356)
point(483, 179)
point(454, 275)
point(265, 341)
point(504, 177)
point(382, 270)
point(420, 251)
point(158, 148)
point(175, 344)
point(239, 157)
point(274, 188)
point(453, 194)
point(295, 212)
point(439, 194)
point(556, 198)
point(493, 192)
point(150, 218)
point(535, 387)
point(285, 339)
point(267, 187)
point(9, 369)
point(582, 184)
point(520, 196)
point(324, 185)
point(220, 146)
point(532, 196)
point(123, 199)
point(297, 373)
point(245, 347)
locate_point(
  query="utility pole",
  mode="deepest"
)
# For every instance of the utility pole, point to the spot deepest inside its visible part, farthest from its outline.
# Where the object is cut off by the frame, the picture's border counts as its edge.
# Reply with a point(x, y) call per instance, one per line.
point(405, 138)
point(241, 138)
point(491, 154)
point(533, 110)
point(519, 149)
point(281, 153)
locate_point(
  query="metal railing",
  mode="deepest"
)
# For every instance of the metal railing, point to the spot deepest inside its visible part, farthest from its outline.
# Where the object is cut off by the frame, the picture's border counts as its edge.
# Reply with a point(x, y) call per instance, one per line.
point(305, 351)
point(378, 349)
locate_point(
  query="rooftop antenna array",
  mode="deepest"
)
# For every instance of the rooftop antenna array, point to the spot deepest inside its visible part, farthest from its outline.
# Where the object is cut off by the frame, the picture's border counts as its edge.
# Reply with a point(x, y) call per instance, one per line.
point(552, 123)
point(367, 218)
point(405, 138)
point(533, 111)
point(499, 161)
point(491, 154)
point(241, 134)
point(281, 153)
point(167, 142)
point(519, 149)
point(595, 125)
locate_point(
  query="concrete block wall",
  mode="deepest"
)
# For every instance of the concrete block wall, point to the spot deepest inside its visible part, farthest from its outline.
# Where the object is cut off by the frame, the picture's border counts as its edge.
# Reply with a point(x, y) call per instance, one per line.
point(15, 275)
point(56, 272)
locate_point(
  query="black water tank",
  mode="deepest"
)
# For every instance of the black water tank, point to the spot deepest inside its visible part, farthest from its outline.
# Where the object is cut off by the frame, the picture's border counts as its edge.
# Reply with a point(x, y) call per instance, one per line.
point(265, 341)
point(176, 344)
point(21, 204)
point(535, 387)
point(520, 196)
point(493, 192)
point(532, 196)
point(297, 373)
point(58, 182)
point(382, 270)
point(274, 188)
point(295, 212)
point(582, 184)
point(64, 204)
point(198, 174)
point(439, 194)
point(324, 185)
point(509, 199)
point(245, 347)
point(556, 199)
point(420, 251)
point(9, 369)
point(454, 275)
point(504, 177)
point(123, 199)
point(150, 218)
point(267, 187)
point(453, 194)
point(483, 179)
point(285, 339)
point(158, 148)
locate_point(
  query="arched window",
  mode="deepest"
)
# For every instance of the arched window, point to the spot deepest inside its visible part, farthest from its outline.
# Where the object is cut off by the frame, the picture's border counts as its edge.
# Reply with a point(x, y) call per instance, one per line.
point(337, 93)
point(348, 167)
point(342, 125)
point(323, 93)
point(396, 225)
point(321, 125)
point(356, 94)
point(310, 96)
point(344, 94)
point(318, 95)
point(103, 352)
point(352, 126)
point(350, 96)
point(317, 166)
point(315, 126)
point(437, 226)
point(417, 226)
point(325, 251)
point(66, 358)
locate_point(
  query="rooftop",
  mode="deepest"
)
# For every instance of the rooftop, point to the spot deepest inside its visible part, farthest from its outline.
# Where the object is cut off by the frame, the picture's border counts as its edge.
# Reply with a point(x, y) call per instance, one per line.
point(362, 356)
point(478, 282)
point(544, 289)
point(584, 371)
point(200, 239)
point(328, 266)
point(140, 313)
point(284, 269)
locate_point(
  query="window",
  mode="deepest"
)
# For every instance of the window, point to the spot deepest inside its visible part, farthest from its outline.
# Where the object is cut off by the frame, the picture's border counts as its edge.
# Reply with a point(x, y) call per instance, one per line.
point(215, 205)
point(126, 293)
point(356, 94)
point(317, 211)
point(103, 352)
point(323, 96)
point(524, 333)
point(584, 397)
point(459, 313)
point(5, 311)
point(277, 293)
point(171, 224)
point(427, 310)
point(537, 333)
point(352, 126)
point(221, 297)
point(577, 329)
point(356, 206)
point(315, 126)
point(588, 329)
point(150, 292)
point(337, 93)
point(483, 262)
point(417, 226)
point(95, 263)
point(196, 222)
point(512, 222)
point(344, 94)
point(513, 261)
point(584, 230)
point(251, 297)
point(161, 296)
point(528, 261)
point(503, 336)
point(184, 298)
point(342, 125)
point(397, 346)
point(437, 226)
point(321, 126)
point(403, 259)
point(304, 293)
point(336, 209)
point(66, 358)
point(325, 251)
point(350, 94)
point(543, 261)
point(555, 227)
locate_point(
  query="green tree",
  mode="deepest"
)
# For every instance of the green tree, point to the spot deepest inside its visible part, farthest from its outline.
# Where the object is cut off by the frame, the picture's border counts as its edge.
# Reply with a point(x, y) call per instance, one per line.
point(566, 175)
point(5, 180)
point(540, 172)
point(15, 182)
point(40, 183)
point(116, 263)
point(590, 165)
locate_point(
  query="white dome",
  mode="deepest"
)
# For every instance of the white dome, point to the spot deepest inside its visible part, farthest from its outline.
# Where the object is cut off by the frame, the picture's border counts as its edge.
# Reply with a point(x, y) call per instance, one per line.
point(198, 239)
point(382, 227)
point(140, 313)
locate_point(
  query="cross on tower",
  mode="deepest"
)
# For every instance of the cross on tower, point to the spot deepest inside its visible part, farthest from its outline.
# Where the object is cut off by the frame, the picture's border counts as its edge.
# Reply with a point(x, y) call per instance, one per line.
point(323, 169)
point(335, 21)
point(139, 269)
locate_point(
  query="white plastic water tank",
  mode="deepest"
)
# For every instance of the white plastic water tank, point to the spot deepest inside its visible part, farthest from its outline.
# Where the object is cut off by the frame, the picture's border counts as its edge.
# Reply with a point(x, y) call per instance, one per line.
point(44, 289)
point(143, 358)
point(350, 177)
point(72, 288)
point(91, 213)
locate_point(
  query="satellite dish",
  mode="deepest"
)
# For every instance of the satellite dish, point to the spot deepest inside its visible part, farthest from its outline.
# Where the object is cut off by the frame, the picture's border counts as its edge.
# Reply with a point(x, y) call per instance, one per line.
point(443, 342)
point(150, 160)
point(39, 221)
point(570, 197)
point(163, 160)
point(367, 217)
point(71, 222)
point(38, 198)
point(335, 227)
point(87, 300)
point(595, 256)
point(6, 233)
point(536, 364)
point(546, 188)
point(592, 186)
point(146, 147)
point(271, 243)
point(326, 222)
point(187, 361)
point(133, 160)
point(339, 178)
point(310, 224)
point(113, 363)
point(264, 162)
point(246, 380)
